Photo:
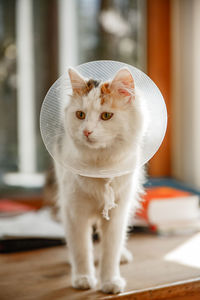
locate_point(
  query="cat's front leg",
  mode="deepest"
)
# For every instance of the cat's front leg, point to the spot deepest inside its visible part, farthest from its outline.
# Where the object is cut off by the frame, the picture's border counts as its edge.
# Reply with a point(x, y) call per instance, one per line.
point(113, 236)
point(78, 234)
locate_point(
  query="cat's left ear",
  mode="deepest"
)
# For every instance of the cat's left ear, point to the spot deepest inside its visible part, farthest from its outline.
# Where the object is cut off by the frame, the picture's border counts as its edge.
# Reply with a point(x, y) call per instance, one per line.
point(123, 83)
point(78, 83)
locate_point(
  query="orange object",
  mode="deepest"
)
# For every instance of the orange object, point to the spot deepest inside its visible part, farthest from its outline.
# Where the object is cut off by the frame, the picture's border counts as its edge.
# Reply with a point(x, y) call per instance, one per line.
point(160, 193)
point(7, 205)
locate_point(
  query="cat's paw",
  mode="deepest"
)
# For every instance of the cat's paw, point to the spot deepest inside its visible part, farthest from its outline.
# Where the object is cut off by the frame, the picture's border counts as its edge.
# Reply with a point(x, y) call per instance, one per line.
point(114, 286)
point(84, 282)
point(126, 256)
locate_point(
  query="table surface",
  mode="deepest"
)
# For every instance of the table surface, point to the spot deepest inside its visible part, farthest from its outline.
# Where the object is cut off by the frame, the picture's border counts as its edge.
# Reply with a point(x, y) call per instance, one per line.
point(45, 274)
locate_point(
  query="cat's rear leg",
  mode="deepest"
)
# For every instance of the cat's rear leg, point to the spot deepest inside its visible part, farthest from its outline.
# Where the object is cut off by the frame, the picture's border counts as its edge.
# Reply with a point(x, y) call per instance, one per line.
point(126, 256)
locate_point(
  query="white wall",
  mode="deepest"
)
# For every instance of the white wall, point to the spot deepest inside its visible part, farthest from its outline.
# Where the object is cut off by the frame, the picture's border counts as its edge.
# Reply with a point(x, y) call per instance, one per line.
point(185, 26)
point(25, 87)
point(68, 37)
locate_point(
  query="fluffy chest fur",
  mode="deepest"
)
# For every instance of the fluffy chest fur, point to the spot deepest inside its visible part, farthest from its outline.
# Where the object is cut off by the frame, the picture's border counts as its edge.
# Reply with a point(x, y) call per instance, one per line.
point(99, 195)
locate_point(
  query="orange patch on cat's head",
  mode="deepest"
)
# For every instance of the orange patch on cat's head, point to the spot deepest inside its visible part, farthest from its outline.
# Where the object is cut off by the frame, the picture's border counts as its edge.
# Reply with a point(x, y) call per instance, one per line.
point(120, 90)
point(105, 92)
point(110, 96)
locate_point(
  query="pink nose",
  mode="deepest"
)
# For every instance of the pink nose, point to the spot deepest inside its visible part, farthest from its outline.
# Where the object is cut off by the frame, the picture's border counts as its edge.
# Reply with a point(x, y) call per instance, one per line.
point(87, 132)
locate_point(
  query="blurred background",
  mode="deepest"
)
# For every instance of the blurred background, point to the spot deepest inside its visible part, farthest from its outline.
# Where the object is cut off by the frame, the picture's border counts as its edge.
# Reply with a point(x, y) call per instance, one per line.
point(40, 39)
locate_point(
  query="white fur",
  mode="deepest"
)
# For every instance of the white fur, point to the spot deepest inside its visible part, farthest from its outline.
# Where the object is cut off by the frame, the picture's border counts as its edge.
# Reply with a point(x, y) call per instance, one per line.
point(84, 199)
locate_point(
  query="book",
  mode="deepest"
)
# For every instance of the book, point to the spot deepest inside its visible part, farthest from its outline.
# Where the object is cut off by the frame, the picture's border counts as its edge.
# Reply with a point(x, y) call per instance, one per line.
point(17, 244)
point(29, 230)
point(10, 207)
point(168, 209)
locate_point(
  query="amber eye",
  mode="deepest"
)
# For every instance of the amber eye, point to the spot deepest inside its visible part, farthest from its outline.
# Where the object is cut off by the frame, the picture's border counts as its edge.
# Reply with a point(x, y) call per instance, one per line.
point(80, 115)
point(106, 116)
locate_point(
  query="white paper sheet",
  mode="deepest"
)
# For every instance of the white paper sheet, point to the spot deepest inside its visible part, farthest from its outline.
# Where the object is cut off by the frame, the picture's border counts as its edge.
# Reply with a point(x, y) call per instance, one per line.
point(31, 224)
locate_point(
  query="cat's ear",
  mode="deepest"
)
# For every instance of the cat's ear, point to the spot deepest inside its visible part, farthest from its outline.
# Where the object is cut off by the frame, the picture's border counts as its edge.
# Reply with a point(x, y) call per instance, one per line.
point(123, 83)
point(78, 83)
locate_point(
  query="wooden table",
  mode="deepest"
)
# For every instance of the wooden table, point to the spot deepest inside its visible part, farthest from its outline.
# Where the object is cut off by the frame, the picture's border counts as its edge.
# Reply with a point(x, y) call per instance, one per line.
point(45, 274)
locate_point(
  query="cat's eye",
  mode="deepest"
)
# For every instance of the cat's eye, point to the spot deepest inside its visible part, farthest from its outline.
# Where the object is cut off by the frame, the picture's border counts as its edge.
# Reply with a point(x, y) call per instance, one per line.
point(106, 116)
point(80, 115)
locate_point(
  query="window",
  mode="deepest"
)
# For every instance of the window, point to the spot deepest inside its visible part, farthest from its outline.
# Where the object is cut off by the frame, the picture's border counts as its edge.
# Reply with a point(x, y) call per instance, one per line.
point(38, 41)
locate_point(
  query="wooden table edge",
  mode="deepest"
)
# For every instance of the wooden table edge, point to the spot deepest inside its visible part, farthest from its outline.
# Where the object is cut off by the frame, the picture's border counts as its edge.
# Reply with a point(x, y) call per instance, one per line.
point(166, 291)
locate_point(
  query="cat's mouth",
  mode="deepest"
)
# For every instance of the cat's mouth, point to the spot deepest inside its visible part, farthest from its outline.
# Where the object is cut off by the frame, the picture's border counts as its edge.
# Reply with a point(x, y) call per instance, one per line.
point(93, 144)
point(90, 141)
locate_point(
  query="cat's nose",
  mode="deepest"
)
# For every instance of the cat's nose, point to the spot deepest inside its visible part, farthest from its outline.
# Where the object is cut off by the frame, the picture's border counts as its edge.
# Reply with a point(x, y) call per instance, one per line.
point(87, 132)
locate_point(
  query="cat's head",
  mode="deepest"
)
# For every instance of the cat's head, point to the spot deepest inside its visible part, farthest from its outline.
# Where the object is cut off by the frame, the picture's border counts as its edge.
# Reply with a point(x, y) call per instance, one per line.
point(103, 114)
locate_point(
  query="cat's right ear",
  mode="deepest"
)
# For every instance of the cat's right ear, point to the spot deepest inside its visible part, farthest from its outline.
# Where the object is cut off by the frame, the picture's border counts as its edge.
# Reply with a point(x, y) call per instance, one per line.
point(78, 83)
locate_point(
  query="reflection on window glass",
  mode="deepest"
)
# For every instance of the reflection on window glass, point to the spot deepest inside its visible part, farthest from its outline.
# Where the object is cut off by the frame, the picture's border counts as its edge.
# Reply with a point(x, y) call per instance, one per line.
point(112, 30)
point(105, 29)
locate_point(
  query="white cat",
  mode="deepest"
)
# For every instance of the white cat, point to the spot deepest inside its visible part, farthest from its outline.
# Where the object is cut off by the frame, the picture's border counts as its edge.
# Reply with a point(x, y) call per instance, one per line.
point(104, 126)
